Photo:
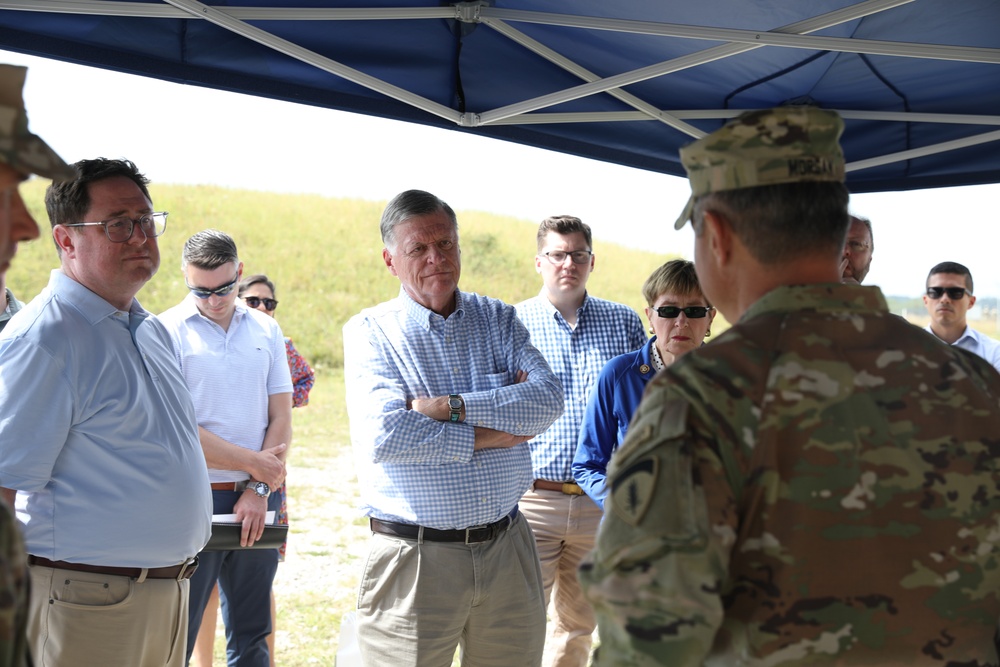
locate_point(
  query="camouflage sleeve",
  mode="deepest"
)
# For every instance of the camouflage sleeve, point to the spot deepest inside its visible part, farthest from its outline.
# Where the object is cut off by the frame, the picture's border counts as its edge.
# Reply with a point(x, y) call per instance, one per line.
point(655, 575)
point(13, 592)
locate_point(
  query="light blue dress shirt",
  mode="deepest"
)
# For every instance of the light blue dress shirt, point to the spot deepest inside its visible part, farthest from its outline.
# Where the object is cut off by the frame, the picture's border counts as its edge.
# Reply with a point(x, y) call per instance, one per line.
point(418, 470)
point(98, 434)
point(231, 373)
point(979, 344)
point(604, 329)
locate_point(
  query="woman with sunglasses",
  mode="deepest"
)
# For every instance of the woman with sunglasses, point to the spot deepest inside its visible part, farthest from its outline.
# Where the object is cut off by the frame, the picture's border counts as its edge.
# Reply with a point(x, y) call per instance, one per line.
point(257, 291)
point(680, 319)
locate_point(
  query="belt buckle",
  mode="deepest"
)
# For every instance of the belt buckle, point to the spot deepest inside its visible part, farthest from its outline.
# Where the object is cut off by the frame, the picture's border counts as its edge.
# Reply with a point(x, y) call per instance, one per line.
point(571, 489)
point(190, 565)
point(489, 528)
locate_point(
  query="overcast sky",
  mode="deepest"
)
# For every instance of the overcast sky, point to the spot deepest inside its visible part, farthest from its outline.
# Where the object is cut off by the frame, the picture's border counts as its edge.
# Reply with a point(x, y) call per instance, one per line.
point(186, 134)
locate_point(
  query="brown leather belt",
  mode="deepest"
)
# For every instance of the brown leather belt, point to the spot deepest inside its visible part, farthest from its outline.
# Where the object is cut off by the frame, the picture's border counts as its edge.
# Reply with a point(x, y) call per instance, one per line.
point(179, 572)
point(569, 488)
point(229, 486)
point(471, 535)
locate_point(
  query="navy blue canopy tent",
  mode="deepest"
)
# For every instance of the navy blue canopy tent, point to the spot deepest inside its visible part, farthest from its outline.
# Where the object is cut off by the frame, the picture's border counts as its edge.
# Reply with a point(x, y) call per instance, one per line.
point(625, 81)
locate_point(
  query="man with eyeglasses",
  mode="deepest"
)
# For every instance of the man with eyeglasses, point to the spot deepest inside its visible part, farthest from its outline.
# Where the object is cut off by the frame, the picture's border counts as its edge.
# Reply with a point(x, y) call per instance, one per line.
point(220, 344)
point(858, 249)
point(819, 485)
point(99, 437)
point(577, 334)
point(948, 299)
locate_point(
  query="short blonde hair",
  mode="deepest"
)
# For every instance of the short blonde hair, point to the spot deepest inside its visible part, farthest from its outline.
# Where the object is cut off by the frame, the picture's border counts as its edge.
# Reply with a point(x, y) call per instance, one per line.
point(677, 276)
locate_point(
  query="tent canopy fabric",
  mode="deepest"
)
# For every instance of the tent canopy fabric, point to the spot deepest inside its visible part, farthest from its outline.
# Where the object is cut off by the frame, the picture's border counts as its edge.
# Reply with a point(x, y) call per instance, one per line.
point(630, 81)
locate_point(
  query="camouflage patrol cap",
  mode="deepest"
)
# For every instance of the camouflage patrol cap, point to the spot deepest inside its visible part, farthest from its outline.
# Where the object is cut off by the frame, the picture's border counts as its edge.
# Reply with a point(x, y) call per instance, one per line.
point(767, 147)
point(19, 148)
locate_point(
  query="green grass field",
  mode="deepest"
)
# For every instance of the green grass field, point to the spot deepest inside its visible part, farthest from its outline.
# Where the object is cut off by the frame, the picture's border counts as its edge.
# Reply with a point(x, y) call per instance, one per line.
point(325, 257)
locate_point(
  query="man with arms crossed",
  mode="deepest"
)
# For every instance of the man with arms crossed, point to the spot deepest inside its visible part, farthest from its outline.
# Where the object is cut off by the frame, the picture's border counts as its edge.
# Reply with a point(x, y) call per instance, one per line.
point(233, 359)
point(948, 299)
point(99, 437)
point(577, 334)
point(444, 390)
point(819, 485)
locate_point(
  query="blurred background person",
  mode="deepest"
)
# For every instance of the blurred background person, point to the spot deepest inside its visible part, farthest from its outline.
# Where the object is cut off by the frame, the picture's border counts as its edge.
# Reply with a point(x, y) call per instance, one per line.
point(257, 291)
point(680, 319)
point(858, 249)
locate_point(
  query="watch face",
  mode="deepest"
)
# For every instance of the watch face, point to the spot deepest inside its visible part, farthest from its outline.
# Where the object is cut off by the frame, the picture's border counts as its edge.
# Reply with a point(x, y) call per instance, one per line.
point(454, 403)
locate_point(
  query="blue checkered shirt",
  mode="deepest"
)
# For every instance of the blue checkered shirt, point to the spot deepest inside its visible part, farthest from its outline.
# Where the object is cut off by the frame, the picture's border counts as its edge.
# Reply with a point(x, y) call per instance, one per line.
point(418, 470)
point(604, 329)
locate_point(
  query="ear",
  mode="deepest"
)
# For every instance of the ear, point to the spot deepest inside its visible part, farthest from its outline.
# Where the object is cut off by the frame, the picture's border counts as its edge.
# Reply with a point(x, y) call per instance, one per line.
point(711, 316)
point(593, 262)
point(720, 237)
point(972, 301)
point(64, 241)
point(387, 258)
point(538, 263)
point(926, 298)
point(239, 272)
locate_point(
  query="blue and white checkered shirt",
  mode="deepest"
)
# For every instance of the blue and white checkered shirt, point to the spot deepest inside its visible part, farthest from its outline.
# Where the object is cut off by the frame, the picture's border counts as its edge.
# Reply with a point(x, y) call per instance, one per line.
point(604, 329)
point(418, 470)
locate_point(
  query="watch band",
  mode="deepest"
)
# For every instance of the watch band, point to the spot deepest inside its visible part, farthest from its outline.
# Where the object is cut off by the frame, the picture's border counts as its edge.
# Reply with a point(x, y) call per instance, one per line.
point(455, 403)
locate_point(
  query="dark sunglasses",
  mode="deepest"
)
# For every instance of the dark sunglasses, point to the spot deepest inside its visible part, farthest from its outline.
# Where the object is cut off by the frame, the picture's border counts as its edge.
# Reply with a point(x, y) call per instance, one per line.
point(254, 301)
point(203, 293)
point(693, 312)
point(954, 293)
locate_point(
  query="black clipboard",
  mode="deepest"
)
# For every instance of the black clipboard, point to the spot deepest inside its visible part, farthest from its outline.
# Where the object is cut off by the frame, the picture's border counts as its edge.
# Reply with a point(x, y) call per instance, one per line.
point(226, 537)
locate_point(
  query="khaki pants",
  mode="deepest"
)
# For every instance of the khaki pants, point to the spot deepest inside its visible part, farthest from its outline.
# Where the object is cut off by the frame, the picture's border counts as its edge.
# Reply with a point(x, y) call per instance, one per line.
point(419, 601)
point(81, 619)
point(565, 527)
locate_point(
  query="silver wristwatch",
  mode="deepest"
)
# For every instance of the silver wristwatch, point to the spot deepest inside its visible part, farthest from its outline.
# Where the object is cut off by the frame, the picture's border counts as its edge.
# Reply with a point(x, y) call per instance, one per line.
point(260, 488)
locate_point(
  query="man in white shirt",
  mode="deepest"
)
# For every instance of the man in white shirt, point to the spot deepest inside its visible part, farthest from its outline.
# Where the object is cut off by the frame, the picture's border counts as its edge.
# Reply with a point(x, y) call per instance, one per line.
point(233, 359)
point(948, 299)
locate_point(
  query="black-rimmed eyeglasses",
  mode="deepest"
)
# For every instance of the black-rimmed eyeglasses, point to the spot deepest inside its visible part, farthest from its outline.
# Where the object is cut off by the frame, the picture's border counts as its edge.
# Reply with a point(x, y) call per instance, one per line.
point(954, 293)
point(224, 290)
point(254, 301)
point(558, 256)
point(692, 312)
point(119, 230)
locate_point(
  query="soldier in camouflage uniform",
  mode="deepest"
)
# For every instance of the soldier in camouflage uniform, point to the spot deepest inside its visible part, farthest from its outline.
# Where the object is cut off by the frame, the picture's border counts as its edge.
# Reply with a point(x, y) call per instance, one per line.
point(819, 485)
point(21, 154)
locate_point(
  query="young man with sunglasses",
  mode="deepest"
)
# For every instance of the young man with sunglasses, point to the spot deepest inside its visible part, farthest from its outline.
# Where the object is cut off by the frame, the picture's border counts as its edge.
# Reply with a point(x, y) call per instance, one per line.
point(948, 299)
point(99, 437)
point(221, 344)
point(577, 334)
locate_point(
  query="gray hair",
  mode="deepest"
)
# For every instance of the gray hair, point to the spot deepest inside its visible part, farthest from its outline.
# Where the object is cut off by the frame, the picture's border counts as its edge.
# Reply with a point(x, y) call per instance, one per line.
point(209, 249)
point(867, 223)
point(408, 205)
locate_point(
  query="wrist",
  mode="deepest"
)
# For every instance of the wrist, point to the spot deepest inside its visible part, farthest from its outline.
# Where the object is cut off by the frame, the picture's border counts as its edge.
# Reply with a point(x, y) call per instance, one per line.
point(456, 408)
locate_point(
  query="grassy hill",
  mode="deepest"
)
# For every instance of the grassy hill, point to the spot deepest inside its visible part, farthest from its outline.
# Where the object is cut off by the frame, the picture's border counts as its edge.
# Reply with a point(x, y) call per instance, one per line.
point(325, 256)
